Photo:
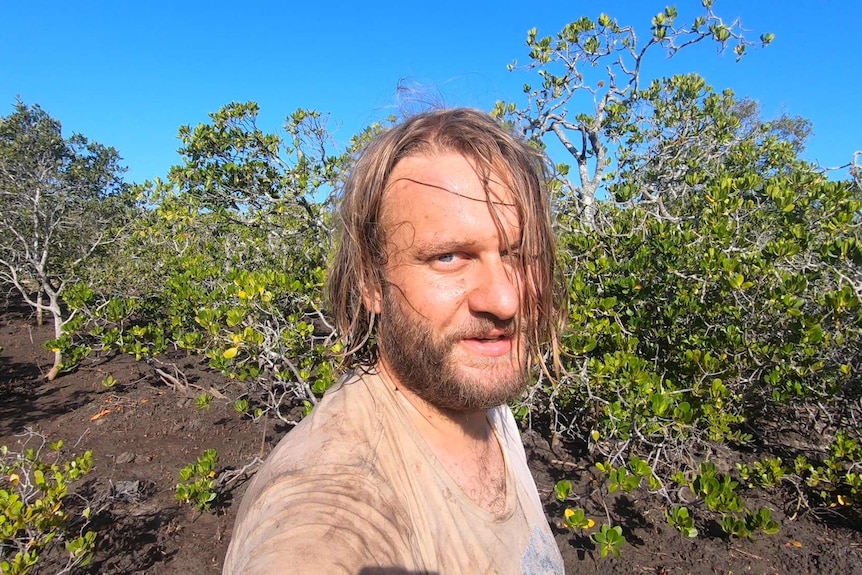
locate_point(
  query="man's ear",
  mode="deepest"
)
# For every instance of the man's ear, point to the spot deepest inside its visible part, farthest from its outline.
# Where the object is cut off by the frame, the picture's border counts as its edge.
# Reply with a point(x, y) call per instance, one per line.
point(372, 297)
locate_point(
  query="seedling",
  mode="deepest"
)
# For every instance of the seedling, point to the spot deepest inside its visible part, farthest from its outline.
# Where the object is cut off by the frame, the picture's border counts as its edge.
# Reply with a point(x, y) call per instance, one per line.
point(562, 489)
point(745, 527)
point(718, 492)
point(628, 477)
point(735, 526)
point(203, 401)
point(609, 539)
point(762, 520)
point(767, 473)
point(681, 518)
point(576, 519)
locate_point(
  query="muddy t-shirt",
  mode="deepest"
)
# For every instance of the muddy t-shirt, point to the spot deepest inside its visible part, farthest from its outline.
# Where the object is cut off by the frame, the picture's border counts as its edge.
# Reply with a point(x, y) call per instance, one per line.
point(355, 489)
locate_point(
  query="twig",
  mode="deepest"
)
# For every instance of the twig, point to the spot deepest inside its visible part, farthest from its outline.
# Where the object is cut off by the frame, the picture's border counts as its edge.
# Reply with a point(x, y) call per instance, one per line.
point(172, 381)
point(86, 432)
point(263, 438)
point(752, 555)
point(229, 477)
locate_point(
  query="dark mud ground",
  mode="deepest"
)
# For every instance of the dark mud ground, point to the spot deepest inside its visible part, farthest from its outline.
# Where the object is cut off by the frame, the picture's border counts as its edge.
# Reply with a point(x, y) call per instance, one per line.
point(148, 431)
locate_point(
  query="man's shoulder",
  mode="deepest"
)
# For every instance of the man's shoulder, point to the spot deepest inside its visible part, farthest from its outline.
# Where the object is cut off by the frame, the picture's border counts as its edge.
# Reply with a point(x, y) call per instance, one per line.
point(342, 430)
point(325, 473)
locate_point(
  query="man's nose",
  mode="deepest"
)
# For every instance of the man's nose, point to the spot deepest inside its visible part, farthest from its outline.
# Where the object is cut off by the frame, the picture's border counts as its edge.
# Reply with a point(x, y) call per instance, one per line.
point(496, 290)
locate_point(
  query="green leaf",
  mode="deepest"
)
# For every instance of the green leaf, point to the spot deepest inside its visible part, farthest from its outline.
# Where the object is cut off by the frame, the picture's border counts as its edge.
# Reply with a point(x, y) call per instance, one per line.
point(563, 489)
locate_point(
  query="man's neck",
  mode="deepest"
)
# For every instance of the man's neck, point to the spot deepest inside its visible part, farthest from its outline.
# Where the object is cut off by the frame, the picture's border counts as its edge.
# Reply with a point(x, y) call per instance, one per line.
point(464, 443)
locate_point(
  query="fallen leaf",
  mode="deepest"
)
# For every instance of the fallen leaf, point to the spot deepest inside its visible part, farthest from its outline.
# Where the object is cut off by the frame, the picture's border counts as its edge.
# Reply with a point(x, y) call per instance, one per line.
point(101, 414)
point(794, 543)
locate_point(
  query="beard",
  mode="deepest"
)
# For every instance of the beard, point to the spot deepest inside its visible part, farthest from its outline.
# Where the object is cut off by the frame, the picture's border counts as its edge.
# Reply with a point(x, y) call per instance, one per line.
point(426, 363)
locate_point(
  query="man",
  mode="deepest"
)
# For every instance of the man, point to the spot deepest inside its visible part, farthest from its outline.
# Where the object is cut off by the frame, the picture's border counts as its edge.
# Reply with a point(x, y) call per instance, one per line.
point(443, 291)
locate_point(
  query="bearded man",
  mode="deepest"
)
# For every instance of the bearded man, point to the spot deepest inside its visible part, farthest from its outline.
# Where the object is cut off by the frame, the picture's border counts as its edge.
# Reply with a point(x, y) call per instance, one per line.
point(443, 291)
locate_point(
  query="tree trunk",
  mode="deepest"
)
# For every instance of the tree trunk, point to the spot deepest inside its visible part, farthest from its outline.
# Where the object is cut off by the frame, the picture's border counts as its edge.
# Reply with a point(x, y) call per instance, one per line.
point(58, 331)
point(55, 369)
point(40, 314)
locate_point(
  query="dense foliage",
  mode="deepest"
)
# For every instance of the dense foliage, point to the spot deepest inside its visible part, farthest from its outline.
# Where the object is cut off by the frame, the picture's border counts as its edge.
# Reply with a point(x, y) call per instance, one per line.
point(228, 261)
point(714, 293)
point(37, 514)
point(61, 201)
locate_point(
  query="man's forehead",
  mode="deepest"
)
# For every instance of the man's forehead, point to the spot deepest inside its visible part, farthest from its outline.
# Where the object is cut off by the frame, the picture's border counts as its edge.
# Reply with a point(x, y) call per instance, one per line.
point(448, 177)
point(494, 194)
point(443, 203)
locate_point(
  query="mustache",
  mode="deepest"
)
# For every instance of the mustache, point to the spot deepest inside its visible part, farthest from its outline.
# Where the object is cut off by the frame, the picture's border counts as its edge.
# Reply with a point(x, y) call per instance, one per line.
point(486, 328)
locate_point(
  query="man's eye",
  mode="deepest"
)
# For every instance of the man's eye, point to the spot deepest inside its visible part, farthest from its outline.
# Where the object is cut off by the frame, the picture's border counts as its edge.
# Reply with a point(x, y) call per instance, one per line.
point(449, 261)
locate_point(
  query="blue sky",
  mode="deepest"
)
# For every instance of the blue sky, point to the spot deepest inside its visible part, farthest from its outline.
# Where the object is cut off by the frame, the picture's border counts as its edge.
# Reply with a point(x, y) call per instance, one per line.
point(128, 74)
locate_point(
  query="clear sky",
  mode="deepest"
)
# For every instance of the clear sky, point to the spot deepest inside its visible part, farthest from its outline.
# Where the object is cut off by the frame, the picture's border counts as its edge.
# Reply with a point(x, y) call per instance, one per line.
point(128, 74)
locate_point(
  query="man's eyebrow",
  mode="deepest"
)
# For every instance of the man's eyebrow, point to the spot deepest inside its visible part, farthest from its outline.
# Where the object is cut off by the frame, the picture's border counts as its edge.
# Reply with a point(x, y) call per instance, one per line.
point(424, 248)
point(443, 246)
point(447, 190)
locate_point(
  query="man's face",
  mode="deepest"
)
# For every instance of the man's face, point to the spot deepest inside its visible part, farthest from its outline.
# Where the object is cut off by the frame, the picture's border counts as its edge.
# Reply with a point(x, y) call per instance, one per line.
point(453, 293)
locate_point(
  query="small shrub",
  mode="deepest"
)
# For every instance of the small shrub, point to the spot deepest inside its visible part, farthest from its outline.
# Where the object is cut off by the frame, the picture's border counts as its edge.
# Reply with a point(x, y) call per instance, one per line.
point(197, 481)
point(34, 516)
point(837, 481)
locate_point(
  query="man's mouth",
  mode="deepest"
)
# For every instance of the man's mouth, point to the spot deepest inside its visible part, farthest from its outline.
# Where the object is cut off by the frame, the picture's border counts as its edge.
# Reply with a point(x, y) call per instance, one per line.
point(491, 345)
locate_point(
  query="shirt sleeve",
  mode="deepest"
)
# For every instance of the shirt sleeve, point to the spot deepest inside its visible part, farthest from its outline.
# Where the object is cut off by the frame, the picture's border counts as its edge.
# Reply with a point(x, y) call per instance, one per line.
point(321, 523)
